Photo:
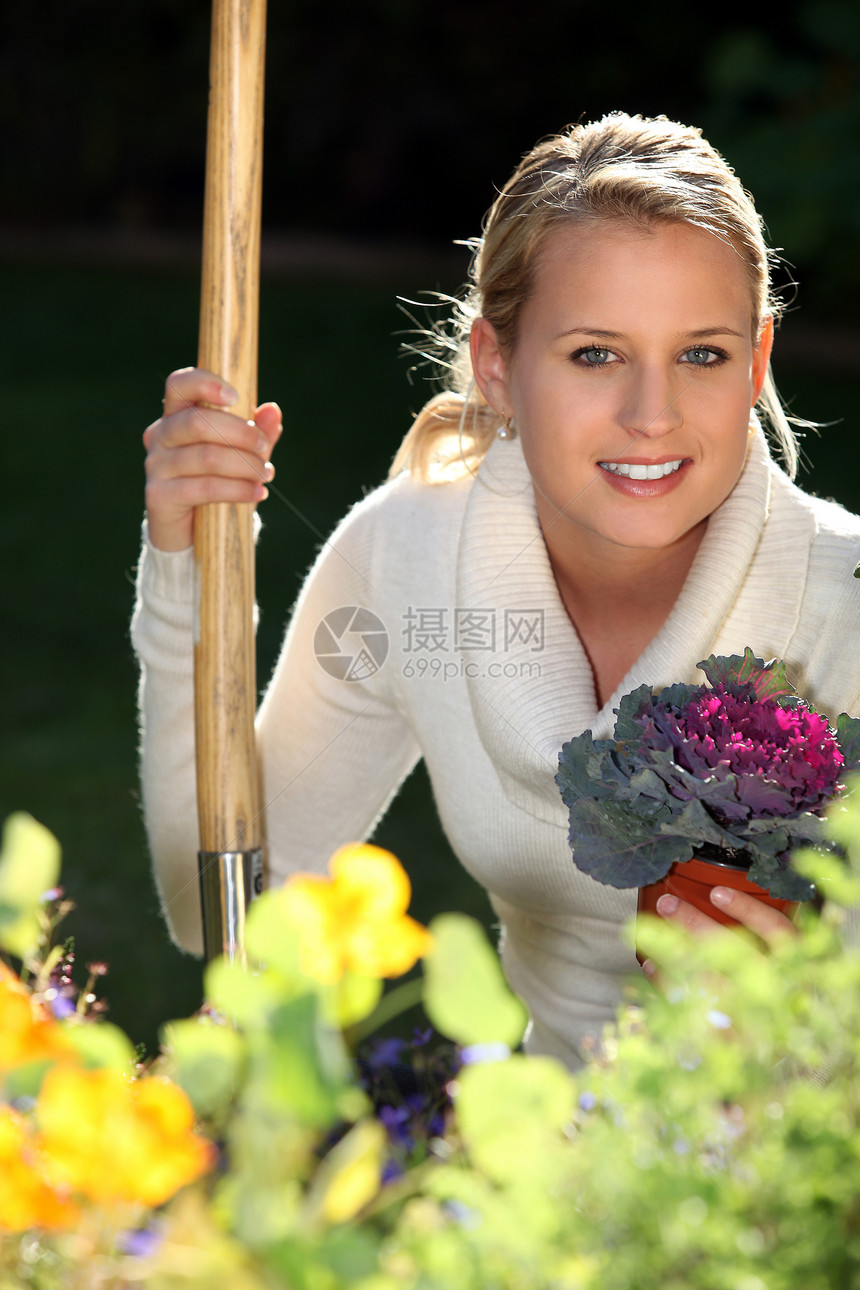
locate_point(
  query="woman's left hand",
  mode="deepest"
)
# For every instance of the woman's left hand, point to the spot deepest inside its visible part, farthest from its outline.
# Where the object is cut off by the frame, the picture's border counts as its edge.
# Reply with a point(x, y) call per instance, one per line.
point(765, 921)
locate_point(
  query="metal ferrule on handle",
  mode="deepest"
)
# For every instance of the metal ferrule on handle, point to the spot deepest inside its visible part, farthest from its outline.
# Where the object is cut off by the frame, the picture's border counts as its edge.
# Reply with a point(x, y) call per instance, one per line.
point(229, 881)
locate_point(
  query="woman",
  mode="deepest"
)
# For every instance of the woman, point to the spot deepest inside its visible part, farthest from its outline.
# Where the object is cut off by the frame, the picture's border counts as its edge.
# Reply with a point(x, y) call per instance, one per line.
point(592, 506)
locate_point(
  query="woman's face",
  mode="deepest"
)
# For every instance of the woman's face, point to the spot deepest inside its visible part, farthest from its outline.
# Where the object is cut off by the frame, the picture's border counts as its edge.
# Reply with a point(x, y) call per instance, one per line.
point(631, 382)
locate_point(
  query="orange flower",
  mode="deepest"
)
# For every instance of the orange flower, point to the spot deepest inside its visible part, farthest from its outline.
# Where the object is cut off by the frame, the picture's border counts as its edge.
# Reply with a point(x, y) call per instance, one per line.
point(111, 1138)
point(356, 920)
point(27, 1032)
point(26, 1200)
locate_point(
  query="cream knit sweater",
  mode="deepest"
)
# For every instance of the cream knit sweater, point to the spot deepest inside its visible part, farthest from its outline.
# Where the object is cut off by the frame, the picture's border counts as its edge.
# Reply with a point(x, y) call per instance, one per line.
point(485, 678)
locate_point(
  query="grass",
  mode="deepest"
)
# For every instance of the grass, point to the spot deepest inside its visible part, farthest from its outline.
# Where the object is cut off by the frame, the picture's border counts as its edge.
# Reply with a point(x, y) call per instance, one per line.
point(84, 356)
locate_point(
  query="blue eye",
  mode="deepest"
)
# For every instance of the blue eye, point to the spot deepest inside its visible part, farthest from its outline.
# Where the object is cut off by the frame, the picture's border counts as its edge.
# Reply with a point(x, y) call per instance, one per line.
point(701, 357)
point(593, 355)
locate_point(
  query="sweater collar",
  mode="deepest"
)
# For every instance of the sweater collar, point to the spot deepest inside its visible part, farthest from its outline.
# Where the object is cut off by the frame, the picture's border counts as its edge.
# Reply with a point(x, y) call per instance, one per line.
point(535, 690)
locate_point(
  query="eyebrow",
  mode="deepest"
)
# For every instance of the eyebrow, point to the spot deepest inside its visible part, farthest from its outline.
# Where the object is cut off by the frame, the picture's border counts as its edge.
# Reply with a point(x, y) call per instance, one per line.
point(703, 333)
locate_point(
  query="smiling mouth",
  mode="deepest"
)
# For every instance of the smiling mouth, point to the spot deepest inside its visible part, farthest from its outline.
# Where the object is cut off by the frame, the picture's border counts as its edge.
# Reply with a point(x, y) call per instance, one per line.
point(637, 471)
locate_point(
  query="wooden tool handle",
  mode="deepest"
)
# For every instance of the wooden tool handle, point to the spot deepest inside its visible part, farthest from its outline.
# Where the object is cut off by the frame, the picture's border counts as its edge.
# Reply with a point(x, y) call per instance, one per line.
point(224, 659)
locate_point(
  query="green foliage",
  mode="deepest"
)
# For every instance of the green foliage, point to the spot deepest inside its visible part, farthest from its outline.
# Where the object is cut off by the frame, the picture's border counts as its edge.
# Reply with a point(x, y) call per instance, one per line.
point(465, 994)
point(206, 1058)
point(103, 1045)
point(768, 680)
point(510, 1148)
point(710, 1141)
point(29, 867)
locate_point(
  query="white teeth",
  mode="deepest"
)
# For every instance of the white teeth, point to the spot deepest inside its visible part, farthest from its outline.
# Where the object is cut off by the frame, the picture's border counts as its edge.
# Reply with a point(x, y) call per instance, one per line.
point(642, 472)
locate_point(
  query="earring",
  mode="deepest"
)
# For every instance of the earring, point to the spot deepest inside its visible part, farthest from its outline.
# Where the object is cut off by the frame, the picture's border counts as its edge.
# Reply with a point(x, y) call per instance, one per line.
point(508, 430)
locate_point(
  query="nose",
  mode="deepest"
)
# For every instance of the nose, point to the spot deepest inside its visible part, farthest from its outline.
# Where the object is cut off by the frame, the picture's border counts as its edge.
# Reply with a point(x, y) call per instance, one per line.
point(651, 405)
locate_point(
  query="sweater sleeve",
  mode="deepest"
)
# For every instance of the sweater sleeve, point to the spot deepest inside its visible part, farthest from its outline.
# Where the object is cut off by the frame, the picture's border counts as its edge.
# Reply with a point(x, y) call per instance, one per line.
point(333, 750)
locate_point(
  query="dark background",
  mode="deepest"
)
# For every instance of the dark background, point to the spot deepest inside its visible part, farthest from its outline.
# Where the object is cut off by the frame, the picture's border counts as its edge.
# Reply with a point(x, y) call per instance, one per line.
point(389, 126)
point(395, 119)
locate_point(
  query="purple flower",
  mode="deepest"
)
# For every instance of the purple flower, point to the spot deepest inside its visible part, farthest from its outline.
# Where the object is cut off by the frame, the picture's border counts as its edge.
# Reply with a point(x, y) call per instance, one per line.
point(142, 1242)
point(462, 1215)
point(391, 1171)
point(786, 759)
point(397, 1122)
point(384, 1052)
point(408, 1086)
point(59, 1002)
point(475, 1053)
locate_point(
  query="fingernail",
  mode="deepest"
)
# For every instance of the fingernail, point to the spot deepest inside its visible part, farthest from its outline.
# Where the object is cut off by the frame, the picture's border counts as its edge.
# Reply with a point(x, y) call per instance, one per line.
point(262, 445)
point(269, 470)
point(262, 492)
point(721, 896)
point(667, 905)
point(229, 395)
point(649, 967)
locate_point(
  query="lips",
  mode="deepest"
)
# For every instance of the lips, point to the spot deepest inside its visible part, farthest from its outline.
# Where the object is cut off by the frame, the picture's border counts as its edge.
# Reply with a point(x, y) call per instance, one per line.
point(642, 470)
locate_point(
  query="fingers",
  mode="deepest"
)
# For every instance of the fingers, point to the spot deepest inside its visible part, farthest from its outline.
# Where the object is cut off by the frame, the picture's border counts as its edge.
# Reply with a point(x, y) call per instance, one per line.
point(763, 919)
point(759, 917)
point(268, 419)
point(199, 452)
point(190, 385)
point(678, 911)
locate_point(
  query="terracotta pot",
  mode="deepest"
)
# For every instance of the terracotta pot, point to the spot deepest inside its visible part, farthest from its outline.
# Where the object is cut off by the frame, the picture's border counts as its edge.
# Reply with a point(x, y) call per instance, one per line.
point(691, 880)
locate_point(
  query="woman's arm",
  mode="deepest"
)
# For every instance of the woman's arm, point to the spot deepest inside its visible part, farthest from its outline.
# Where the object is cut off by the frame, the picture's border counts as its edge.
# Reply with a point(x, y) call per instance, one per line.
point(333, 752)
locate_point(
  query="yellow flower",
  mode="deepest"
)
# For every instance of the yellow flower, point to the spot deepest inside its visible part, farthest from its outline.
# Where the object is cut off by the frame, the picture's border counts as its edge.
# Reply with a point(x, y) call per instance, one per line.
point(27, 1032)
point(26, 1200)
point(356, 920)
point(115, 1139)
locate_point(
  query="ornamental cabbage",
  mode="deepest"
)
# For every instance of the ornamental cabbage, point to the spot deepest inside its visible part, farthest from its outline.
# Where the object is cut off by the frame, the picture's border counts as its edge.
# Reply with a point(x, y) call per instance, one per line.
point(738, 770)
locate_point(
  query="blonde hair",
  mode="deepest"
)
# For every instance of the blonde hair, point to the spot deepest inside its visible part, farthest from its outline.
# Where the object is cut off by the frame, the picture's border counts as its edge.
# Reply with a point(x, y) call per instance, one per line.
point(618, 168)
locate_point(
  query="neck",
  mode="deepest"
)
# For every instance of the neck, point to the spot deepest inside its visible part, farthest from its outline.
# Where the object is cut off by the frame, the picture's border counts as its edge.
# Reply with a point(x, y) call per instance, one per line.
point(617, 598)
point(643, 578)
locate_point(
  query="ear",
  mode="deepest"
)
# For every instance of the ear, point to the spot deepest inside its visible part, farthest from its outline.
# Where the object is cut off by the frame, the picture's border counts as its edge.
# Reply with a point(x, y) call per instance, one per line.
point(761, 357)
point(490, 366)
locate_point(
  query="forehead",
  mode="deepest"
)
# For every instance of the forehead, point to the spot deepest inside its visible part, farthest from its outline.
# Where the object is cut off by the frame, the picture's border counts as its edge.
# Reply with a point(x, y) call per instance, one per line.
point(628, 273)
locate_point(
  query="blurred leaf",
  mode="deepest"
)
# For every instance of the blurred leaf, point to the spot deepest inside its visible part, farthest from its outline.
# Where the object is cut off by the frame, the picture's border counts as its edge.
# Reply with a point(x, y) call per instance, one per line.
point(843, 819)
point(101, 1044)
point(350, 1175)
point(350, 999)
point(244, 997)
point(831, 876)
point(465, 994)
point(24, 1081)
point(207, 1060)
point(196, 1251)
point(29, 866)
point(511, 1112)
point(351, 1252)
point(270, 939)
point(298, 1066)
